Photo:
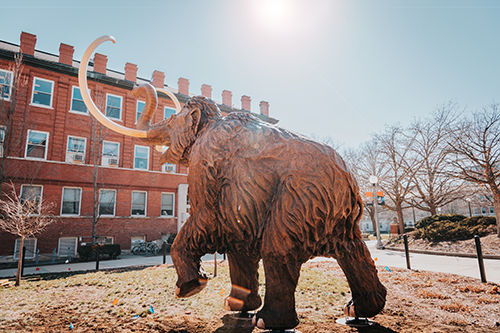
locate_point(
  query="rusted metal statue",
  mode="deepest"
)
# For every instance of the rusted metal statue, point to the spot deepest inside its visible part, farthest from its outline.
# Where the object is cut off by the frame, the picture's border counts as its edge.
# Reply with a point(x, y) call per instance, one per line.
point(258, 191)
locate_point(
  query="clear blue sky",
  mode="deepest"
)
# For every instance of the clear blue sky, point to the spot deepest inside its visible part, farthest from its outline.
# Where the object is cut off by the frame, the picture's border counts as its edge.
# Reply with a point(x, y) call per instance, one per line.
point(333, 68)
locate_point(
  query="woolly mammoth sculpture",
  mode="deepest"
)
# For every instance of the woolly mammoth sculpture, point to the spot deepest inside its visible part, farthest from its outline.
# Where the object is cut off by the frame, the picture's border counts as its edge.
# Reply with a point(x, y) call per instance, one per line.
point(258, 191)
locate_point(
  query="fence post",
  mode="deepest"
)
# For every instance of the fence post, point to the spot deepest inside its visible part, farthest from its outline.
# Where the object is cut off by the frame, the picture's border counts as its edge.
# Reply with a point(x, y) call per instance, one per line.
point(36, 258)
point(23, 253)
point(164, 248)
point(480, 258)
point(215, 264)
point(97, 257)
point(407, 251)
point(54, 255)
point(69, 254)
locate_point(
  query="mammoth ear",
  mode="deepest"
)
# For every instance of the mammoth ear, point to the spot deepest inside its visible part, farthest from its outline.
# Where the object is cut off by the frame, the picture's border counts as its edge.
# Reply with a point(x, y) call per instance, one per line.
point(193, 119)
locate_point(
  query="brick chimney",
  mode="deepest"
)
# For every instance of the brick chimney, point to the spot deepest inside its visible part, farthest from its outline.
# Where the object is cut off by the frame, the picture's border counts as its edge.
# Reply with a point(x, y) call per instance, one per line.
point(206, 90)
point(66, 54)
point(183, 86)
point(28, 42)
point(158, 79)
point(227, 98)
point(130, 72)
point(100, 63)
point(264, 108)
point(245, 102)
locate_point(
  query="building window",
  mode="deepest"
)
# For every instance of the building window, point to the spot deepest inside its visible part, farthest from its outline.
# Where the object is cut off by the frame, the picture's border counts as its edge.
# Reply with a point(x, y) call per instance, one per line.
point(105, 240)
point(67, 245)
point(167, 204)
point(32, 192)
point(141, 158)
point(107, 202)
point(110, 153)
point(75, 152)
point(138, 203)
point(77, 104)
point(71, 201)
point(476, 211)
point(168, 167)
point(42, 92)
point(140, 107)
point(29, 243)
point(5, 84)
point(36, 146)
point(2, 138)
point(169, 112)
point(483, 210)
point(492, 210)
point(137, 239)
point(113, 106)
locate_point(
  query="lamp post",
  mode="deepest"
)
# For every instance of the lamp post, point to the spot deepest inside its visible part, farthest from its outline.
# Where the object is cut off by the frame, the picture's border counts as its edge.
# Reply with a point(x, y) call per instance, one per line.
point(373, 180)
point(468, 202)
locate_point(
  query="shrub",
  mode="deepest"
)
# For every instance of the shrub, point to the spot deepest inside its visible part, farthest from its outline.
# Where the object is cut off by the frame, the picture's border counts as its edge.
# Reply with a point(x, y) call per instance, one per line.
point(87, 252)
point(453, 226)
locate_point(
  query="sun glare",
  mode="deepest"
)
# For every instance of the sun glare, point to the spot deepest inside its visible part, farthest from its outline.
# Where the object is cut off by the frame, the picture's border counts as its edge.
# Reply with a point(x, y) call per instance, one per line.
point(274, 14)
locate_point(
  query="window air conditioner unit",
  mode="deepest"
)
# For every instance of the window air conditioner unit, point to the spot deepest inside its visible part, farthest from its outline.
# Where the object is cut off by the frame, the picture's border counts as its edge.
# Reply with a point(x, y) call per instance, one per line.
point(78, 158)
point(169, 167)
point(113, 162)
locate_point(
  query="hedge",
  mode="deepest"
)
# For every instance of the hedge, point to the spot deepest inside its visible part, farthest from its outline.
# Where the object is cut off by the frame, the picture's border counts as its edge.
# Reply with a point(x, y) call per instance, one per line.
point(453, 227)
point(87, 252)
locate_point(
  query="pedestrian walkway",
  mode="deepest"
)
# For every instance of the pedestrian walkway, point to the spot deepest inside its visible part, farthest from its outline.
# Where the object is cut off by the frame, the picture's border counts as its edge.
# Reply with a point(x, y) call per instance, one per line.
point(434, 263)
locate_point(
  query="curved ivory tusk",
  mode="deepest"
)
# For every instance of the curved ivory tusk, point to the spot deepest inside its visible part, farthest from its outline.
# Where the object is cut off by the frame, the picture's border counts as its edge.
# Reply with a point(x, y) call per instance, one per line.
point(82, 81)
point(172, 96)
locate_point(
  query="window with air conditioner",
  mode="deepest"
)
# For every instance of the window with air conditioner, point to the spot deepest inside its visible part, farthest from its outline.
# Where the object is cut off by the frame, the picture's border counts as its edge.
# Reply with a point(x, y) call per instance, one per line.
point(167, 204)
point(71, 199)
point(139, 203)
point(5, 84)
point(36, 145)
point(110, 154)
point(141, 158)
point(168, 167)
point(75, 151)
point(29, 244)
point(42, 92)
point(107, 202)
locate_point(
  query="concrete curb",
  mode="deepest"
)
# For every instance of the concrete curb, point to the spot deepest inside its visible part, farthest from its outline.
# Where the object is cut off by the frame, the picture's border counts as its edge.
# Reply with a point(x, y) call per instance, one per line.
point(448, 254)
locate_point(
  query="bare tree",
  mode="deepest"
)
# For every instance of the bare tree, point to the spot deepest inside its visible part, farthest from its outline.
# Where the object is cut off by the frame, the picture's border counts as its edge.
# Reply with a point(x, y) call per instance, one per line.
point(474, 149)
point(400, 168)
point(433, 185)
point(328, 140)
point(14, 120)
point(23, 217)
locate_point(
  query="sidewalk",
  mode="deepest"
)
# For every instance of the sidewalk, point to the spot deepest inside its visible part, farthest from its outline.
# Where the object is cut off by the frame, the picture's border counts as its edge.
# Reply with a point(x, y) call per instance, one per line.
point(454, 265)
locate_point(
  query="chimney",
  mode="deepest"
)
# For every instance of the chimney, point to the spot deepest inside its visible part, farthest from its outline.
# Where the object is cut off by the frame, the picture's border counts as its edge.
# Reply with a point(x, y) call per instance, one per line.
point(130, 72)
point(206, 90)
point(183, 85)
point(28, 42)
point(158, 79)
point(245, 102)
point(227, 98)
point(100, 62)
point(264, 108)
point(66, 54)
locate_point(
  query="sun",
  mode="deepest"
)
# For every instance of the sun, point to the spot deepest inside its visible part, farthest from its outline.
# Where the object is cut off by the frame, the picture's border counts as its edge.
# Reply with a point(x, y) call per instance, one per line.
point(274, 14)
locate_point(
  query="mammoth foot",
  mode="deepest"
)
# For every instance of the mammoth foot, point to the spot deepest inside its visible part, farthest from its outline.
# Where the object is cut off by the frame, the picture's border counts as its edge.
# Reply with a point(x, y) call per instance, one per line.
point(367, 305)
point(265, 319)
point(242, 299)
point(190, 288)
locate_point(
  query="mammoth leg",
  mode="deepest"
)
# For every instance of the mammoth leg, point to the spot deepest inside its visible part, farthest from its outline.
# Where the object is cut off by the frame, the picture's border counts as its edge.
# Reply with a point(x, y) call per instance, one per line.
point(191, 277)
point(244, 283)
point(368, 294)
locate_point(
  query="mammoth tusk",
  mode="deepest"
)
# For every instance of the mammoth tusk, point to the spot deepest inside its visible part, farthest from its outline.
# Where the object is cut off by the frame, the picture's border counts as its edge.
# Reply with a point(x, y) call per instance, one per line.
point(82, 81)
point(172, 96)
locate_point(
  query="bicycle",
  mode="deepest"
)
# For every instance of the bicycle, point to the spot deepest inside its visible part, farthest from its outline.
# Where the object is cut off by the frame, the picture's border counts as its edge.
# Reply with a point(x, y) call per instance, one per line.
point(146, 248)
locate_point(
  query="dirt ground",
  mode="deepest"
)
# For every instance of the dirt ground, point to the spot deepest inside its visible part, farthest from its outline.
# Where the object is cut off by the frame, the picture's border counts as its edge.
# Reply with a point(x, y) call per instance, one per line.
point(141, 300)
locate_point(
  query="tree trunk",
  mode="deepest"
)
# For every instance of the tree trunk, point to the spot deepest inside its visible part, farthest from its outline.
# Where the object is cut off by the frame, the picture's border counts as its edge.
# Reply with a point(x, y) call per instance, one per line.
point(20, 263)
point(401, 221)
point(496, 207)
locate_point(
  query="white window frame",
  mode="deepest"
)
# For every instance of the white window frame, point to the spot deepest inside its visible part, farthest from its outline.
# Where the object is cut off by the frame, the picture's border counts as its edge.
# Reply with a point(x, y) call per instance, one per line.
point(69, 155)
point(105, 159)
point(173, 204)
point(41, 194)
point(9, 85)
point(71, 102)
point(17, 249)
point(169, 165)
point(135, 156)
point(46, 146)
point(64, 253)
point(137, 110)
point(165, 112)
point(145, 204)
point(2, 139)
point(114, 203)
point(121, 107)
point(79, 201)
point(51, 93)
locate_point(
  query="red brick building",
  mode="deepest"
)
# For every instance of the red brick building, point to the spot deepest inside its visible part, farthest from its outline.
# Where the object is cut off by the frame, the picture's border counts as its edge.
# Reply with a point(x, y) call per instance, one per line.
point(139, 199)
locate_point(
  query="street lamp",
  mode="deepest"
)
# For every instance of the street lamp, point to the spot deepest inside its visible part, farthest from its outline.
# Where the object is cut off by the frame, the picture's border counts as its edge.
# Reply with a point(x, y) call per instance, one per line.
point(373, 180)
